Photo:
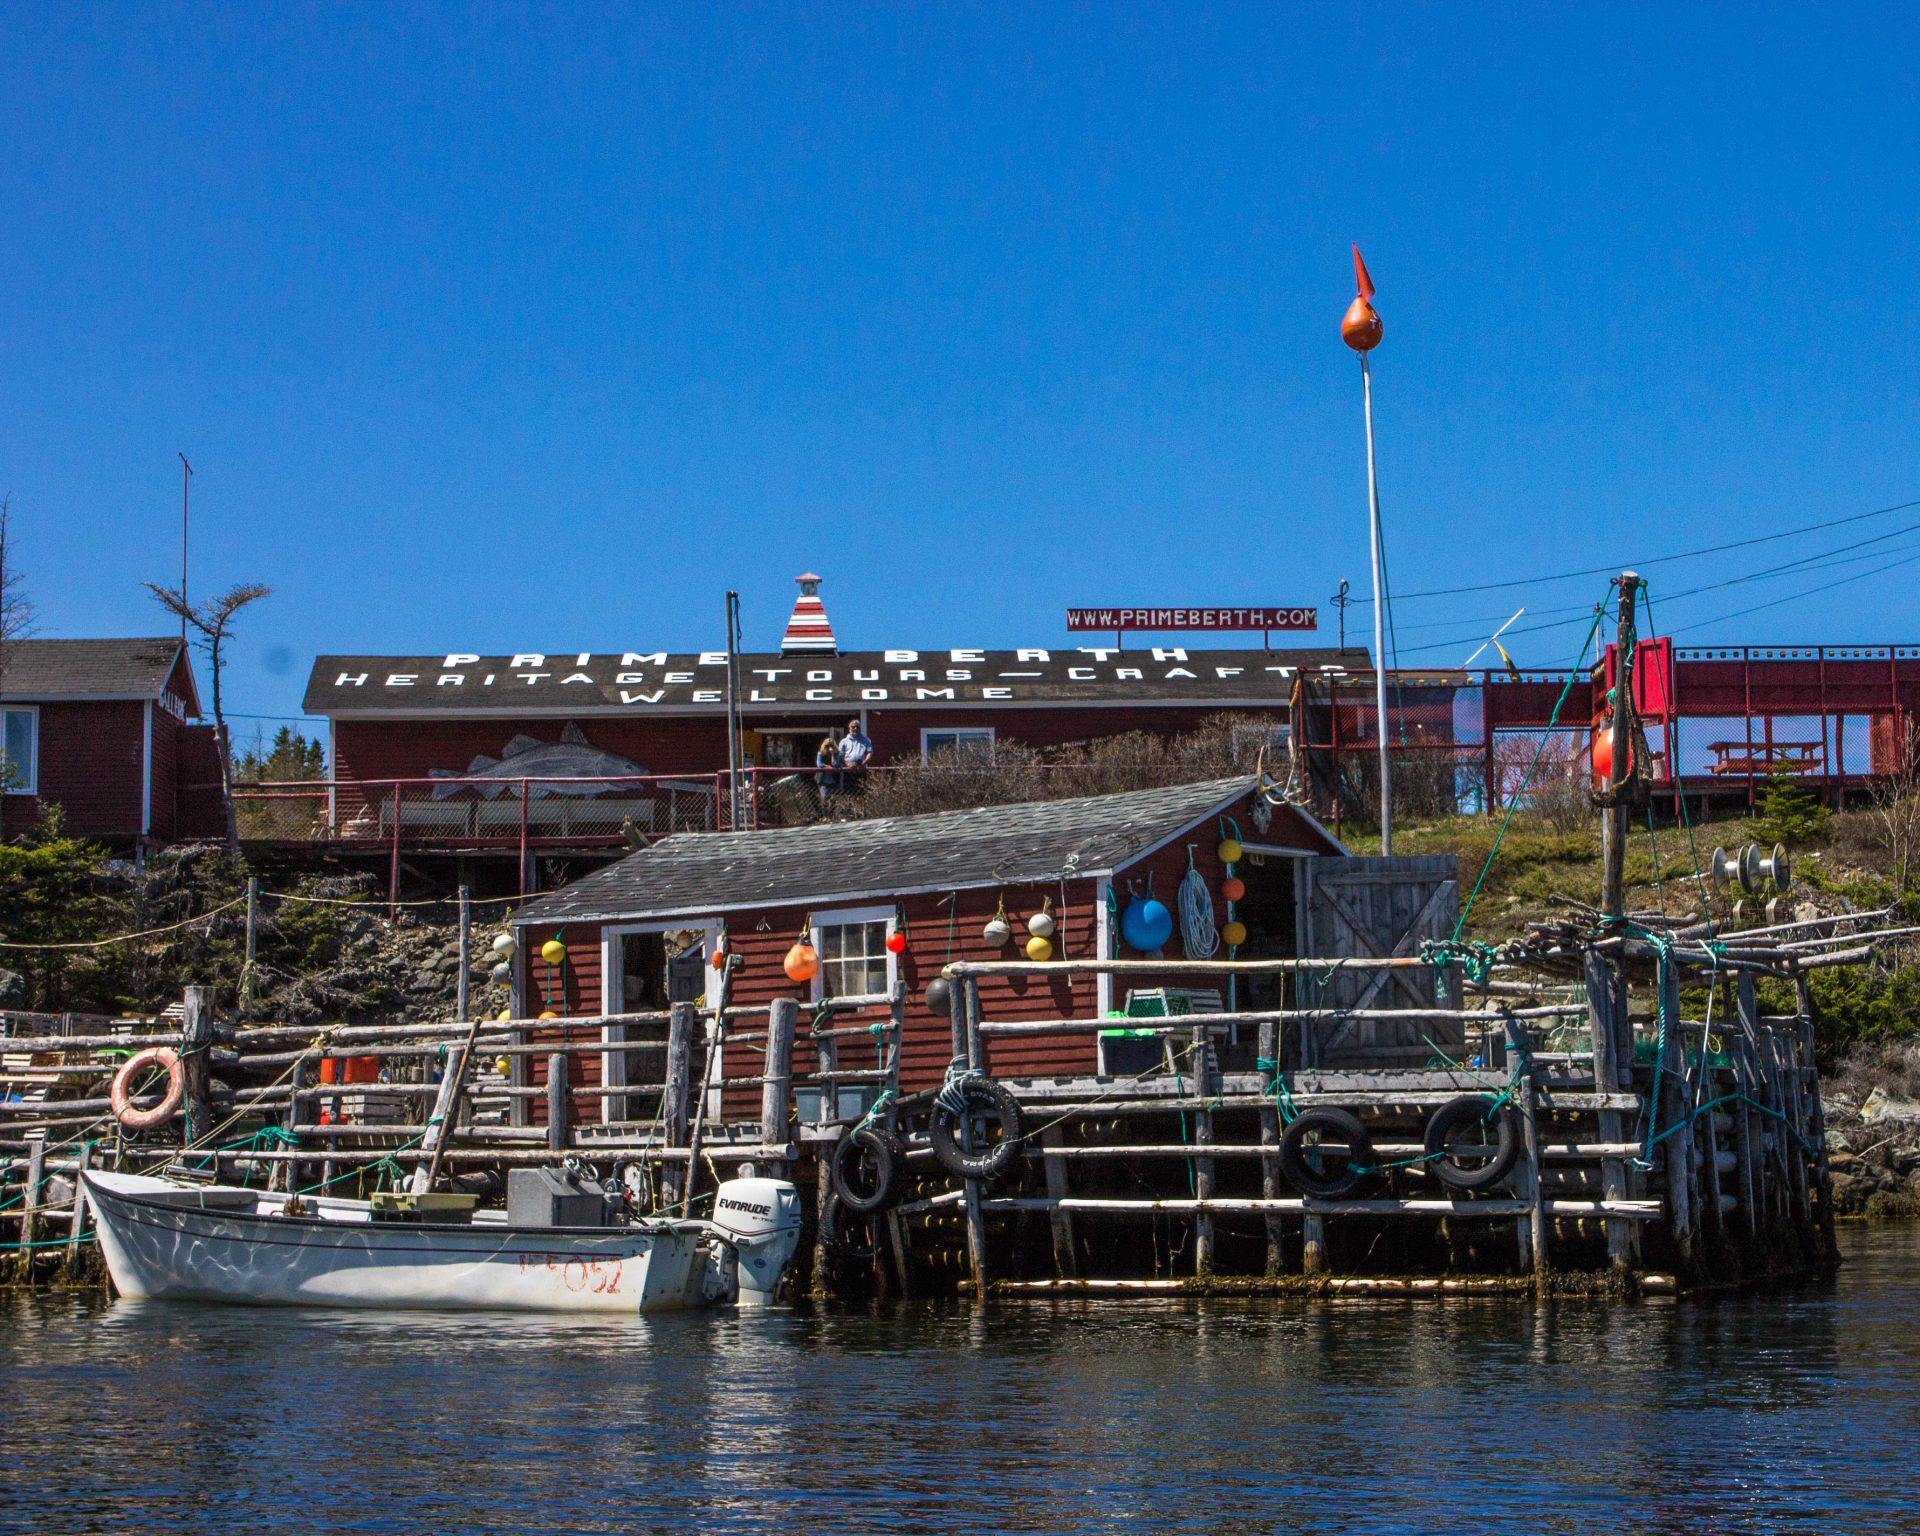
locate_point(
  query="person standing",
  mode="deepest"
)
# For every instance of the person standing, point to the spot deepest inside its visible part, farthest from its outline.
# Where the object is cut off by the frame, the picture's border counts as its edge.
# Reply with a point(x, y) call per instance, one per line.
point(855, 753)
point(826, 767)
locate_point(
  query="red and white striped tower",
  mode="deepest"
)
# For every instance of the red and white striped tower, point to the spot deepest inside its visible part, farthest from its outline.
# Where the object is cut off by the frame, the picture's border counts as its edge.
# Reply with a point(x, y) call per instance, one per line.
point(808, 632)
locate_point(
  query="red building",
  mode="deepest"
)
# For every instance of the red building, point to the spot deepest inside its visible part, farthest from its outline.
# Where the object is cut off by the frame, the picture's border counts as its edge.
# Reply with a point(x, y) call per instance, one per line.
point(103, 729)
point(642, 932)
point(564, 752)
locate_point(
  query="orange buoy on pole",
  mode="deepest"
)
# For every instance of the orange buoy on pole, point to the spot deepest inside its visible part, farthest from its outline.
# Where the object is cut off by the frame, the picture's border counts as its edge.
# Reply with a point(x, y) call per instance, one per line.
point(1361, 327)
point(1361, 330)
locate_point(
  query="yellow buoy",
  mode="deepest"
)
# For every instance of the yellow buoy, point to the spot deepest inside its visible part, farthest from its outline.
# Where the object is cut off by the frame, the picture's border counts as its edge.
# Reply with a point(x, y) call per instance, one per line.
point(1235, 934)
point(1230, 850)
point(1039, 947)
point(553, 951)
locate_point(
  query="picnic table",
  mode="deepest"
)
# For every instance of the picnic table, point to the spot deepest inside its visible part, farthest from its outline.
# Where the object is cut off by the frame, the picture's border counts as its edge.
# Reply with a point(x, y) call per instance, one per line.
point(1743, 759)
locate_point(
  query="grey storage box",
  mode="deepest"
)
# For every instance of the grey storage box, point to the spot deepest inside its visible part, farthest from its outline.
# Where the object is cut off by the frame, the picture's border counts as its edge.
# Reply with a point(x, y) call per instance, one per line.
point(553, 1197)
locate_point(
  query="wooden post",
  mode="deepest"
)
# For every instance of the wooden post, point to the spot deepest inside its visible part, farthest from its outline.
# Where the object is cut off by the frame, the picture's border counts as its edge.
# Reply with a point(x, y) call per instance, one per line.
point(1270, 1180)
point(557, 1102)
point(1533, 1234)
point(957, 1018)
point(1673, 1109)
point(1816, 1117)
point(675, 1096)
point(246, 971)
point(1616, 823)
point(296, 1085)
point(782, 1021)
point(1612, 1070)
point(79, 1222)
point(462, 986)
point(1746, 1080)
point(196, 1052)
point(440, 1123)
point(976, 1238)
point(827, 1059)
point(1066, 1254)
point(1712, 1228)
point(976, 1217)
point(30, 1201)
point(1203, 1167)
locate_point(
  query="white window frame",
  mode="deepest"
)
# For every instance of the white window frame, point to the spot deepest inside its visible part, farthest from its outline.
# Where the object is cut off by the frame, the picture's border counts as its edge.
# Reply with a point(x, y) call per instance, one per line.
point(958, 730)
point(29, 783)
point(846, 917)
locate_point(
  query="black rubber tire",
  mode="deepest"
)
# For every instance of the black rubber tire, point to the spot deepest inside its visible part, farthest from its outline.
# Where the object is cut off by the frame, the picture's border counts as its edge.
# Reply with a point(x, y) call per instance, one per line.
point(844, 1234)
point(1480, 1173)
point(1331, 1125)
point(984, 1095)
point(866, 1169)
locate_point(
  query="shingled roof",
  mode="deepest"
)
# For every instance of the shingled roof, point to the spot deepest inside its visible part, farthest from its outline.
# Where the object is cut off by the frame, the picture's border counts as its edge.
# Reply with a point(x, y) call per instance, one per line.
point(702, 872)
point(92, 669)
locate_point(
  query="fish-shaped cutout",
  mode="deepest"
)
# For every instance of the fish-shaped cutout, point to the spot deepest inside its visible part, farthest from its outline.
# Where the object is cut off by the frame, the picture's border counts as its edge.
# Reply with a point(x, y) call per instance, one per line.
point(571, 757)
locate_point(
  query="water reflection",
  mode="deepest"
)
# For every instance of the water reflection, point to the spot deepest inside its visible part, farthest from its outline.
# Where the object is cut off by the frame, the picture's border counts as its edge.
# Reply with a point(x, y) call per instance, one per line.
point(1784, 1413)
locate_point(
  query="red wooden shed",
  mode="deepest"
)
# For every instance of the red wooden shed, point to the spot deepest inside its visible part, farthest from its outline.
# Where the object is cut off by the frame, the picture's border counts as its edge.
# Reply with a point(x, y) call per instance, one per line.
point(641, 933)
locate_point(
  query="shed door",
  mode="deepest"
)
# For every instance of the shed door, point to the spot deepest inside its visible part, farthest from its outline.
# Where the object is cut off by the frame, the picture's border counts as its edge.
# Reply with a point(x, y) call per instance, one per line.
point(1377, 908)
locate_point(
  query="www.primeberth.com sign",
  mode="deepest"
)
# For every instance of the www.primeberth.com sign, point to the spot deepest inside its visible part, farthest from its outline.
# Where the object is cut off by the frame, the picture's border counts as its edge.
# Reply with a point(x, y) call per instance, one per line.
point(1119, 620)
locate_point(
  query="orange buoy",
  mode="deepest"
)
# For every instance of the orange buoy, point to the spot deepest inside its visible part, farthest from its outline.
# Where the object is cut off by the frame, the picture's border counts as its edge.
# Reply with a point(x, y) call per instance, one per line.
point(802, 963)
point(1603, 754)
point(1233, 888)
point(1361, 327)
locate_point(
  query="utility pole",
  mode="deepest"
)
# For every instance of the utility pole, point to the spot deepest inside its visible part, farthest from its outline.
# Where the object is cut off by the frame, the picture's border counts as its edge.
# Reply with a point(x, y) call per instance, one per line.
point(733, 711)
point(1613, 868)
point(186, 474)
point(1340, 601)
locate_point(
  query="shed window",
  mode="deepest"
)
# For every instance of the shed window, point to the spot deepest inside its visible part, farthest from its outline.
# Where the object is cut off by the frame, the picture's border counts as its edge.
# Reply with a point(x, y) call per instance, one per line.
point(853, 956)
point(20, 751)
point(973, 744)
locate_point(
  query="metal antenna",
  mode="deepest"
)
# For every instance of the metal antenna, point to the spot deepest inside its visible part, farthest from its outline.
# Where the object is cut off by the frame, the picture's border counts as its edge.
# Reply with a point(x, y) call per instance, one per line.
point(1340, 601)
point(186, 474)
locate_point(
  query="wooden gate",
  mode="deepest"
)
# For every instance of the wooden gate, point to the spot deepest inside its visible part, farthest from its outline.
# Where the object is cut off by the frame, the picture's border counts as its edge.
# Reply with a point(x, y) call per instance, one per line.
point(1377, 908)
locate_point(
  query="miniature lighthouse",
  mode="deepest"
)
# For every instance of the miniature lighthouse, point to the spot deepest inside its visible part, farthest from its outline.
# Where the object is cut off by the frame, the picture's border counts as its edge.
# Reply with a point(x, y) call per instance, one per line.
point(808, 632)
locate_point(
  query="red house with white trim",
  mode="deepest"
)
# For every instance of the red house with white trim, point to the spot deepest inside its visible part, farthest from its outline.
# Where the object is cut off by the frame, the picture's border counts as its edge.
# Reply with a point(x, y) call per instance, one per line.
point(105, 730)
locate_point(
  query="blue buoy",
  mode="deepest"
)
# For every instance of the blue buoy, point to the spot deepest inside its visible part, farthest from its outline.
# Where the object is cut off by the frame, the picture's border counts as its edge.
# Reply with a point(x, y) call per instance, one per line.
point(1146, 925)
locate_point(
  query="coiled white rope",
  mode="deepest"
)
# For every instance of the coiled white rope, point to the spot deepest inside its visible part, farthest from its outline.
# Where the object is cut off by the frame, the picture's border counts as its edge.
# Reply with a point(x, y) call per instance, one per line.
point(1197, 932)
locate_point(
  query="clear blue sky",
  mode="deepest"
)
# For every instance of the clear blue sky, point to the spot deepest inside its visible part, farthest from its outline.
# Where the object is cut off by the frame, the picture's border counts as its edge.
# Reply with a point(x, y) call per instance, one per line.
point(505, 329)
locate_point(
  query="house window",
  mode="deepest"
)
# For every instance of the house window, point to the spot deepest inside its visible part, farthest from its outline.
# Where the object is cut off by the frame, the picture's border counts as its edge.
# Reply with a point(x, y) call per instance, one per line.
point(20, 751)
point(853, 953)
point(967, 743)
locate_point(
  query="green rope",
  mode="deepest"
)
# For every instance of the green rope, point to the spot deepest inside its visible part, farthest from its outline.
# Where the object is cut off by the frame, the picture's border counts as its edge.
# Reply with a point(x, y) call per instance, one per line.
point(1513, 805)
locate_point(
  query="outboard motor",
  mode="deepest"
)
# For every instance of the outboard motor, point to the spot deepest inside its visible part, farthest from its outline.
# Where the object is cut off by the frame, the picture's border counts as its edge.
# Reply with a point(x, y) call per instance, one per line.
point(760, 1220)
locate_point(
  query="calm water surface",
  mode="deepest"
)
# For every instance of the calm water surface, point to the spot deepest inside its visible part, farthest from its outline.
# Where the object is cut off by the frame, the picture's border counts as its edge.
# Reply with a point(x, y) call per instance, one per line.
point(1783, 1413)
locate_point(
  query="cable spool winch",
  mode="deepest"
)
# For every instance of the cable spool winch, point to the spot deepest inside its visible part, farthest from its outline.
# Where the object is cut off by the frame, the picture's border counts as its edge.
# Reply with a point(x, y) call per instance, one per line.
point(1753, 869)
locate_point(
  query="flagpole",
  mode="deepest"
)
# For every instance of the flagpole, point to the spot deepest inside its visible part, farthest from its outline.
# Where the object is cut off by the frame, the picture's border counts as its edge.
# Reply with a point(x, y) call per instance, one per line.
point(1379, 621)
point(1361, 329)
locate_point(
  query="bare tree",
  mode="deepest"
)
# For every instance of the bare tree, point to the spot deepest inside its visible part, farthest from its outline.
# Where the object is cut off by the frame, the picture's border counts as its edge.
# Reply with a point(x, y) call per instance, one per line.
point(1896, 813)
point(212, 623)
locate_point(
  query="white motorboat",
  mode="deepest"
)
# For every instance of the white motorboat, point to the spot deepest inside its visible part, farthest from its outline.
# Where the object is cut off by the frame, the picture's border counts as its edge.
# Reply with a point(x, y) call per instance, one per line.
point(169, 1239)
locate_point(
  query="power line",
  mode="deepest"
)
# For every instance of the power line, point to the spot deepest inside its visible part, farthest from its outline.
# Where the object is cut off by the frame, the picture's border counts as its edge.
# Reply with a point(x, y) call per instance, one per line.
point(1691, 554)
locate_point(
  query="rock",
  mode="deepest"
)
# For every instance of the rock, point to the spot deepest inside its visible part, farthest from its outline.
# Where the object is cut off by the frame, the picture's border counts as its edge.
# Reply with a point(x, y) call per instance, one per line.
point(1881, 1107)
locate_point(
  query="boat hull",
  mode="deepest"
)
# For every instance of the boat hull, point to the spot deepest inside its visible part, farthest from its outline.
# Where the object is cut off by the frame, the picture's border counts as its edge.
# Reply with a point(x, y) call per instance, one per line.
point(164, 1244)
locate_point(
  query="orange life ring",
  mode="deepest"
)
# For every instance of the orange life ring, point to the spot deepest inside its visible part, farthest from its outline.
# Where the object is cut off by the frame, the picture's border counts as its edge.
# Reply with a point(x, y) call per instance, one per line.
point(120, 1095)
